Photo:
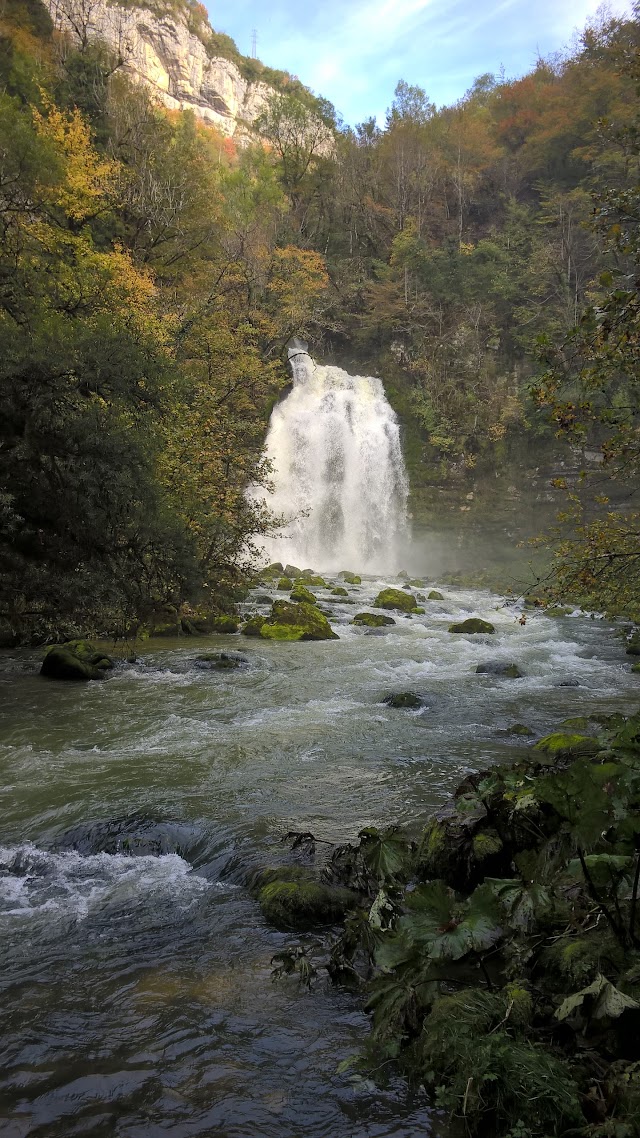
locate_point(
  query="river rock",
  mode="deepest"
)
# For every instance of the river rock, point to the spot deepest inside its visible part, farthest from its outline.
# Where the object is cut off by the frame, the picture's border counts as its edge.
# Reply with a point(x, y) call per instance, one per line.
point(561, 744)
point(520, 729)
point(75, 660)
point(404, 699)
point(434, 595)
point(253, 625)
point(300, 594)
point(377, 631)
point(633, 645)
point(292, 571)
point(636, 667)
point(472, 626)
point(299, 621)
point(500, 668)
point(284, 584)
point(225, 624)
point(372, 619)
point(569, 684)
point(350, 578)
point(276, 569)
point(396, 599)
point(339, 592)
point(292, 898)
point(221, 661)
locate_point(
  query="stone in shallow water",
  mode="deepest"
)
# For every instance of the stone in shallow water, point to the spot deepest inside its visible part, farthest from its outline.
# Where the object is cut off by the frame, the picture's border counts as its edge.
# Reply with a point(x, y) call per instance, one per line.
point(520, 729)
point(372, 619)
point(75, 660)
point(292, 898)
point(509, 671)
point(221, 661)
point(293, 622)
point(396, 599)
point(408, 699)
point(301, 593)
point(434, 595)
point(472, 626)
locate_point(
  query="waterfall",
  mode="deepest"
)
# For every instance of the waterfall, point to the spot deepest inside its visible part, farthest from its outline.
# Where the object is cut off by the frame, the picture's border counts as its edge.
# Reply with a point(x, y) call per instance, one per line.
point(338, 472)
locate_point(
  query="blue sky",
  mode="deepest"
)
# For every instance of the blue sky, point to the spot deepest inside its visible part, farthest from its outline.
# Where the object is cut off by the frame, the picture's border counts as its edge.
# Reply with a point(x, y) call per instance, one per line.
point(353, 52)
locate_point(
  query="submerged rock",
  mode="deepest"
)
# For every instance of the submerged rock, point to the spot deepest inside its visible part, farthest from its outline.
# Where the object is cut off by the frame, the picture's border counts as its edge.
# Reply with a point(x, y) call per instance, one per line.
point(372, 619)
point(500, 668)
point(221, 661)
point(472, 626)
point(569, 684)
point(75, 660)
point(300, 593)
point(405, 699)
point(520, 729)
point(396, 599)
point(292, 898)
point(295, 621)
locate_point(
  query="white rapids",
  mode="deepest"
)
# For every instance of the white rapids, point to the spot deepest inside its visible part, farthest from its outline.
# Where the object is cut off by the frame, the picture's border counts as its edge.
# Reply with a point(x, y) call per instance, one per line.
point(338, 473)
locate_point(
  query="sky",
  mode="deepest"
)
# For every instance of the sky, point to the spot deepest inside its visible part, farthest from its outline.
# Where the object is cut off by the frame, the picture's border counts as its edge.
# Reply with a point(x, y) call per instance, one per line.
point(353, 52)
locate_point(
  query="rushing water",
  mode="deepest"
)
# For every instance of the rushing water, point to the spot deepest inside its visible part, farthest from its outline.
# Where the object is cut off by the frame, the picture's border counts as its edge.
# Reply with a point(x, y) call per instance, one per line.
point(338, 472)
point(135, 967)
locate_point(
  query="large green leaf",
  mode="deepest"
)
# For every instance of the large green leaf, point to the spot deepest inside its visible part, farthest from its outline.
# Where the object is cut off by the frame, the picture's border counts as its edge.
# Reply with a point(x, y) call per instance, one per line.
point(387, 854)
point(602, 999)
point(447, 930)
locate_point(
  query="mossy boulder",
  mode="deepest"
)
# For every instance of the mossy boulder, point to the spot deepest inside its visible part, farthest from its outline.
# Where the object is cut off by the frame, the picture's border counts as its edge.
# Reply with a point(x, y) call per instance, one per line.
point(292, 571)
point(274, 570)
point(350, 578)
point(520, 729)
point(636, 667)
point(434, 595)
point(404, 699)
point(253, 625)
point(560, 744)
point(486, 843)
point(472, 627)
point(339, 592)
point(500, 668)
point(284, 584)
point(308, 577)
point(75, 660)
point(461, 847)
point(221, 661)
point(300, 594)
point(296, 621)
point(372, 619)
point(292, 898)
point(225, 624)
point(396, 599)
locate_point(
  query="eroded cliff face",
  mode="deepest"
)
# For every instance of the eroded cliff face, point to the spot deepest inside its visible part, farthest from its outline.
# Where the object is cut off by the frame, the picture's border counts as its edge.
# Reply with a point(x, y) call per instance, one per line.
point(159, 49)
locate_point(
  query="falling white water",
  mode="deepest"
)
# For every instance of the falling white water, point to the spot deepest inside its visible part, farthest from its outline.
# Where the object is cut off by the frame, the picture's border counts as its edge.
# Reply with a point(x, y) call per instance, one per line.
point(338, 472)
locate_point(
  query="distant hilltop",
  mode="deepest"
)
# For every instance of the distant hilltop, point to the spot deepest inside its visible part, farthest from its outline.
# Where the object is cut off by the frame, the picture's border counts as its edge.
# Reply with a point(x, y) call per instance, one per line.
point(170, 46)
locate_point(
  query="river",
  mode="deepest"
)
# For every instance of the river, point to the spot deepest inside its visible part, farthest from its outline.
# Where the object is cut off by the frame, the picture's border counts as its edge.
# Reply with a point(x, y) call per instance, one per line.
point(135, 967)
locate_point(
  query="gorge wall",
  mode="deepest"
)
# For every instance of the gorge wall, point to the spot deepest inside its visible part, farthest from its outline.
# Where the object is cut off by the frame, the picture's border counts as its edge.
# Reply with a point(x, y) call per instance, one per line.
point(170, 48)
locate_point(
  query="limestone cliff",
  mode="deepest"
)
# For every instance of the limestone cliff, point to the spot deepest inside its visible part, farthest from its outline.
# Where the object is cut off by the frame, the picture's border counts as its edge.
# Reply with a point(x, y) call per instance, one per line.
point(171, 48)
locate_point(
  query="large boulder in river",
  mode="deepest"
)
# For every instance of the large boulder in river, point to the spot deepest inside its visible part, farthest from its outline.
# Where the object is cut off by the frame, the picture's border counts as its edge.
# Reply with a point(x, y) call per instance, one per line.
point(372, 619)
point(290, 621)
point(472, 626)
point(75, 660)
point(396, 599)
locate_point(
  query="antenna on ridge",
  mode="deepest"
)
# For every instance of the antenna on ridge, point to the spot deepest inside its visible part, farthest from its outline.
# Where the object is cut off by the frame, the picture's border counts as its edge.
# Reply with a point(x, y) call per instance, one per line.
point(254, 44)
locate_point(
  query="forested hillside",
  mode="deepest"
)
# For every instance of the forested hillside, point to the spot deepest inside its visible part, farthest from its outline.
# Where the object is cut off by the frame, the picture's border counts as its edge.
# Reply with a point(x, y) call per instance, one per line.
point(151, 274)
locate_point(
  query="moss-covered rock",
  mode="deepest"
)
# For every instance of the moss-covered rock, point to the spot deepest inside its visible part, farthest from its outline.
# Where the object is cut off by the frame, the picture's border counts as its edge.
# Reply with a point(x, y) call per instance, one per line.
point(291, 898)
point(473, 626)
point(225, 624)
point(520, 729)
point(561, 743)
point(500, 668)
point(253, 625)
point(434, 595)
point(291, 621)
point(636, 667)
point(75, 660)
point(350, 578)
point(300, 594)
point(372, 619)
point(396, 599)
point(292, 571)
point(404, 699)
point(308, 577)
point(486, 843)
point(633, 645)
point(276, 569)
point(284, 584)
point(339, 592)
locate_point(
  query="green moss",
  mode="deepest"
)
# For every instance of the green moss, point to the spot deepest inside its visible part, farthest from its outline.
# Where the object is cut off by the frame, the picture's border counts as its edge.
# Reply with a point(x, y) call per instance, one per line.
point(434, 595)
point(486, 843)
point(300, 593)
point(633, 645)
point(519, 729)
point(253, 625)
point(472, 626)
point(226, 624)
point(396, 599)
point(303, 904)
point(301, 621)
point(284, 584)
point(339, 592)
point(350, 578)
point(636, 667)
point(578, 722)
point(372, 619)
point(561, 742)
point(308, 577)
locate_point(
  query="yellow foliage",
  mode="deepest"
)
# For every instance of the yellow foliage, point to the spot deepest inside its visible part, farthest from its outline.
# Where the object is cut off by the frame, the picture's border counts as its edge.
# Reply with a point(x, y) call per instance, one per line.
point(89, 178)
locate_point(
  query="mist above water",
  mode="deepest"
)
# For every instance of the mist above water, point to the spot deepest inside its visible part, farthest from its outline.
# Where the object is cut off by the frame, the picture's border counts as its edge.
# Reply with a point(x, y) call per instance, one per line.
point(338, 471)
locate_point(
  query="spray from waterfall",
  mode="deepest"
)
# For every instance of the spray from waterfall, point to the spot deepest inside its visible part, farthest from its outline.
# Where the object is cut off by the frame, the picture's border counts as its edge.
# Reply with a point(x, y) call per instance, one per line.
point(338, 472)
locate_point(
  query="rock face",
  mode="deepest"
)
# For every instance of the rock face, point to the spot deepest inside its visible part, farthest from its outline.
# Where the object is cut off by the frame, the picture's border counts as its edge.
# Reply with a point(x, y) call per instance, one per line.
point(160, 49)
